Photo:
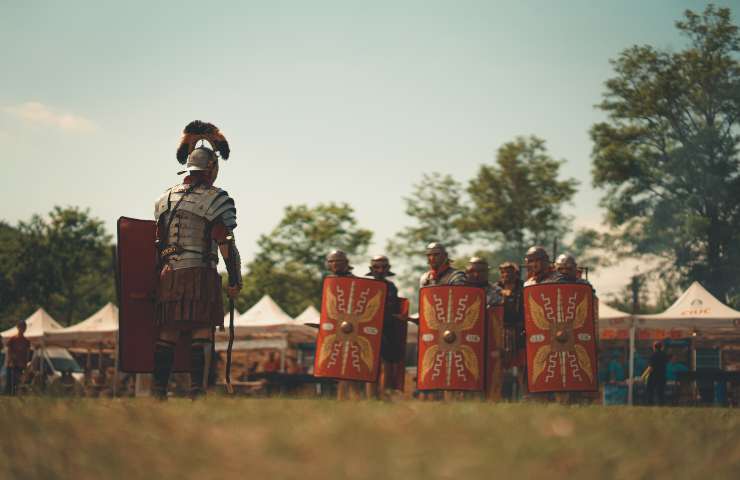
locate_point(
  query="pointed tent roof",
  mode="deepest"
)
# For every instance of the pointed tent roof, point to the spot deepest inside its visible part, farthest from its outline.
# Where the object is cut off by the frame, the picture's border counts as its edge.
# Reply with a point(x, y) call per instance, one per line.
point(695, 308)
point(39, 324)
point(101, 325)
point(310, 316)
point(264, 313)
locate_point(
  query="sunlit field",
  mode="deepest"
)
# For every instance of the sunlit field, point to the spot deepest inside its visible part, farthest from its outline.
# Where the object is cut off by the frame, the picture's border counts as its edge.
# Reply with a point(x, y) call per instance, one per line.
point(282, 438)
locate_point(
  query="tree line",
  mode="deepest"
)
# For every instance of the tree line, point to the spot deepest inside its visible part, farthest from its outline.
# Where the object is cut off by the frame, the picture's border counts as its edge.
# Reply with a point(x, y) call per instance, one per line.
point(666, 158)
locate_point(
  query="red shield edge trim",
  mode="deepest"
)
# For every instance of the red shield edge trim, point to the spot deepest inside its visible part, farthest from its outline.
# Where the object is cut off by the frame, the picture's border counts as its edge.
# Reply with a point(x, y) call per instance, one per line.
point(137, 284)
point(350, 329)
point(495, 349)
point(452, 337)
point(561, 338)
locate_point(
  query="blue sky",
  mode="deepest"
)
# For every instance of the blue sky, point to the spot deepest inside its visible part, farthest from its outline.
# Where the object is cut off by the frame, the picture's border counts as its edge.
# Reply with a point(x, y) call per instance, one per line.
point(321, 101)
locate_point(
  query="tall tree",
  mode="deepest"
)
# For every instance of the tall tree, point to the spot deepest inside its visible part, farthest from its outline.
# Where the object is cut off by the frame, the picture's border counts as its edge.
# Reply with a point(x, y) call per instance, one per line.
point(62, 263)
point(668, 154)
point(290, 261)
point(517, 202)
point(437, 208)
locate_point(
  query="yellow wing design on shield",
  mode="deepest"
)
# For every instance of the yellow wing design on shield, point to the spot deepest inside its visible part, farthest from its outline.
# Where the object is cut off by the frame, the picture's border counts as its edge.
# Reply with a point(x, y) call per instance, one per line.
point(366, 351)
point(584, 361)
point(472, 315)
point(538, 314)
point(372, 308)
point(331, 305)
point(326, 348)
point(540, 358)
point(470, 360)
point(430, 315)
point(428, 361)
point(581, 313)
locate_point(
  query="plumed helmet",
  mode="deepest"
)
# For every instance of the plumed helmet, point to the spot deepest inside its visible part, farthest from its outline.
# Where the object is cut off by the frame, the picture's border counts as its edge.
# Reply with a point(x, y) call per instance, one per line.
point(196, 131)
point(200, 159)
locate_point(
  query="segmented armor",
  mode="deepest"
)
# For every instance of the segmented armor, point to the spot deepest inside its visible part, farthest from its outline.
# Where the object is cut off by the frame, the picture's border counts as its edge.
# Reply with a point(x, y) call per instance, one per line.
point(185, 214)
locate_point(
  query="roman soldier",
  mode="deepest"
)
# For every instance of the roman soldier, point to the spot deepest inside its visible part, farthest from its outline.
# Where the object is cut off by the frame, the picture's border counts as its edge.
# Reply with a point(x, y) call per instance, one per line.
point(393, 339)
point(477, 276)
point(440, 271)
point(338, 265)
point(567, 270)
point(195, 221)
point(538, 266)
point(514, 337)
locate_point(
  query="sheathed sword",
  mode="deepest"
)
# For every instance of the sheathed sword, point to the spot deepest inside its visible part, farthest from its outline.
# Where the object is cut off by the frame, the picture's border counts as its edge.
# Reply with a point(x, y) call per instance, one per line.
point(233, 281)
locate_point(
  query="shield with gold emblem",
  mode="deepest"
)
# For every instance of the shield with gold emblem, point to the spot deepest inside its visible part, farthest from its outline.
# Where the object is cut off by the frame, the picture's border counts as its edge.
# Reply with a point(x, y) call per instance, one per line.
point(495, 349)
point(561, 337)
point(452, 332)
point(348, 344)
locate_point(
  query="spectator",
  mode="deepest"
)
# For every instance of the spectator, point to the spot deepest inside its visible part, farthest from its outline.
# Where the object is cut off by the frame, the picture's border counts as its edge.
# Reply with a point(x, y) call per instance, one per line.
point(674, 369)
point(16, 358)
point(656, 375)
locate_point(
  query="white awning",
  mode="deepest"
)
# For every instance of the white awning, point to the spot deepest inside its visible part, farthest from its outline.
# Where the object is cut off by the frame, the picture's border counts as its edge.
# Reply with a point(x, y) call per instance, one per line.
point(38, 326)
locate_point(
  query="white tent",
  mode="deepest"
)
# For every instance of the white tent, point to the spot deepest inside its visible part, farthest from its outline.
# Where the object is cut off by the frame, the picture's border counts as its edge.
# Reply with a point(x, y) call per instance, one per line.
point(696, 308)
point(38, 327)
point(310, 316)
point(102, 326)
point(264, 313)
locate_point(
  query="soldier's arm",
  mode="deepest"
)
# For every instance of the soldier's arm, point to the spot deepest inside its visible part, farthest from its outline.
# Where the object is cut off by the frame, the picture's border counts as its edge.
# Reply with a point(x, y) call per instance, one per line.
point(227, 246)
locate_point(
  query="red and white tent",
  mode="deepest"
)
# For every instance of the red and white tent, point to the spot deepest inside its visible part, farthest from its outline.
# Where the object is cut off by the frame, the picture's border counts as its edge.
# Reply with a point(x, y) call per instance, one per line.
point(38, 327)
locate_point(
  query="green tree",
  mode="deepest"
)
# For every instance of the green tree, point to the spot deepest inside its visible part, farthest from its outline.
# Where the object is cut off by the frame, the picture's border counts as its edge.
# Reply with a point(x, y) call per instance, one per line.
point(437, 208)
point(290, 262)
point(517, 202)
point(62, 263)
point(668, 154)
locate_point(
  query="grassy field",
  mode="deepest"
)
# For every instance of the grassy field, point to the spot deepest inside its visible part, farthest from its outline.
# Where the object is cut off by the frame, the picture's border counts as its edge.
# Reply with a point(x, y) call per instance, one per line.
point(283, 438)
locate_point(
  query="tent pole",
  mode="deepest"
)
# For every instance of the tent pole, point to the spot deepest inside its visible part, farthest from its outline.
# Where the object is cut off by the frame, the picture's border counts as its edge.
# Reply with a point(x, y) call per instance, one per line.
point(630, 385)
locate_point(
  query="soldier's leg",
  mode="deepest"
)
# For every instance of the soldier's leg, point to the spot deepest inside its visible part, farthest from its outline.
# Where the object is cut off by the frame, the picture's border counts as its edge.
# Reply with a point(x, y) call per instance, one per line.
point(164, 357)
point(201, 342)
point(372, 390)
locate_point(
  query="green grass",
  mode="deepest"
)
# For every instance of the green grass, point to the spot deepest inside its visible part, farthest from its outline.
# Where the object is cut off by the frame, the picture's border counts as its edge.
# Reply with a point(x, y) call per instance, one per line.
point(284, 438)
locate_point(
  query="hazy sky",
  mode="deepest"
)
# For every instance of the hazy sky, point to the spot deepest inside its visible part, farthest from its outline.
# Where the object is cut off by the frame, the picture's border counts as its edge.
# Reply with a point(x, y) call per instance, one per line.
point(321, 101)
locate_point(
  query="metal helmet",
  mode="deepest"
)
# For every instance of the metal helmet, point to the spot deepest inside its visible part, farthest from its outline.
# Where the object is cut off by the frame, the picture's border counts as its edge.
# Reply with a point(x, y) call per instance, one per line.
point(382, 260)
point(338, 255)
point(436, 247)
point(536, 252)
point(478, 261)
point(565, 260)
point(511, 265)
point(200, 159)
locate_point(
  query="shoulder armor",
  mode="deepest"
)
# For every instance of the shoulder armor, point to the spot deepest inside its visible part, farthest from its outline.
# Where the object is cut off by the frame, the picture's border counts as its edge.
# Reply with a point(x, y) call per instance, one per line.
point(223, 207)
point(162, 204)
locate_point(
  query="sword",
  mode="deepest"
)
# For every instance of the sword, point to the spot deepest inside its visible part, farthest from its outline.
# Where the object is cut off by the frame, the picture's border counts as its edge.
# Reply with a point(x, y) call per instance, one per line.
point(232, 282)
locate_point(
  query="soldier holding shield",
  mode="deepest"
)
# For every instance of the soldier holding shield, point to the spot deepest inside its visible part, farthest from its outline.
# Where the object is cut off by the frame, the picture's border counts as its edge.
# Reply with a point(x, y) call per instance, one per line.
point(195, 220)
point(567, 269)
point(514, 338)
point(538, 266)
point(440, 271)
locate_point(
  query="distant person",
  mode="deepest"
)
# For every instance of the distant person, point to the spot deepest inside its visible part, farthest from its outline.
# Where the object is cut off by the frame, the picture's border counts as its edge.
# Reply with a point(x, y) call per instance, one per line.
point(674, 369)
point(273, 363)
point(16, 358)
point(656, 375)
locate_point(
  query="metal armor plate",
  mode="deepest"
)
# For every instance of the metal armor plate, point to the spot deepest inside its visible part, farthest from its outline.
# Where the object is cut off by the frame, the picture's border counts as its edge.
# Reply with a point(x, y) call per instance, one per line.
point(137, 284)
point(350, 329)
point(452, 333)
point(495, 349)
point(561, 337)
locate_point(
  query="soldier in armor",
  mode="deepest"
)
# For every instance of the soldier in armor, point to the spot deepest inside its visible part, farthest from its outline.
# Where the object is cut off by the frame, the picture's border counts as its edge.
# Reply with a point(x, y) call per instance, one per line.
point(538, 266)
point(477, 276)
point(514, 337)
point(393, 341)
point(195, 221)
point(338, 265)
point(567, 269)
point(440, 271)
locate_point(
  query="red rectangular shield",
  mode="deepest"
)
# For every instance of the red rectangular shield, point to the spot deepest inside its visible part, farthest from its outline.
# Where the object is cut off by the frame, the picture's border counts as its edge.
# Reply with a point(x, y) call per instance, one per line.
point(495, 348)
point(350, 328)
point(137, 283)
point(452, 334)
point(561, 337)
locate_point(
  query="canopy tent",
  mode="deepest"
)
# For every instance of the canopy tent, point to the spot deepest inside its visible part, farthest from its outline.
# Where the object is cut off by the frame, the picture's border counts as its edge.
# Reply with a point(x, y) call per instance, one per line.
point(38, 327)
point(613, 323)
point(696, 308)
point(264, 313)
point(310, 316)
point(100, 327)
